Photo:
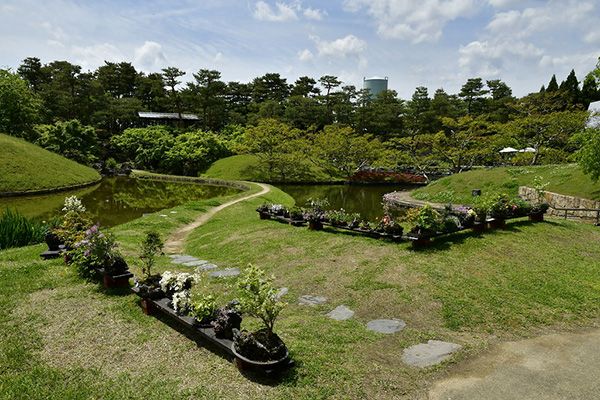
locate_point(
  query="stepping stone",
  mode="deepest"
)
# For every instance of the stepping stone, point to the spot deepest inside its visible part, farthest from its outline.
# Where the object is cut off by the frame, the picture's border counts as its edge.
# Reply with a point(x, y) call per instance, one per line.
point(206, 267)
point(341, 313)
point(181, 259)
point(163, 215)
point(308, 300)
point(282, 292)
point(386, 326)
point(427, 354)
point(173, 212)
point(225, 273)
point(195, 263)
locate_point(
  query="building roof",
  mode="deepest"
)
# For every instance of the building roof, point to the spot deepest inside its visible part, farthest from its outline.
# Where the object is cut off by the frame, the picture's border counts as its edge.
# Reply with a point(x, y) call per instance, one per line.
point(162, 115)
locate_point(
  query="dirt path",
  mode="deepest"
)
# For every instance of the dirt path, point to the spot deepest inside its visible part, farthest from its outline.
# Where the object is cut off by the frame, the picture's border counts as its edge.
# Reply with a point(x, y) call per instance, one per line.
point(557, 367)
point(174, 244)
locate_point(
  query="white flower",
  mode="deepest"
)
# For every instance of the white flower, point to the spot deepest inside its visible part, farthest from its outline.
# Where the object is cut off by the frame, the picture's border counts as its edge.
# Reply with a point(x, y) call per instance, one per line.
point(72, 203)
point(181, 301)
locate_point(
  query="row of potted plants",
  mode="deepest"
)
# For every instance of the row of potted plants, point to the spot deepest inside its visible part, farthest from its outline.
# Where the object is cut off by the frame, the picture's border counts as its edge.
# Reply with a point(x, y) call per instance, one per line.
point(85, 246)
point(188, 296)
point(425, 222)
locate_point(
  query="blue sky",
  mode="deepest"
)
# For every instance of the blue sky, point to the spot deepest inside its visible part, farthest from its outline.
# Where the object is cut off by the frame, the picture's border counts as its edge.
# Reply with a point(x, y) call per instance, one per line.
point(432, 43)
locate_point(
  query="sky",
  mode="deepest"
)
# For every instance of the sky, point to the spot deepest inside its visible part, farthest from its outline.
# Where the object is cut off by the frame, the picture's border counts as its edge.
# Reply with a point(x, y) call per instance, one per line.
point(431, 43)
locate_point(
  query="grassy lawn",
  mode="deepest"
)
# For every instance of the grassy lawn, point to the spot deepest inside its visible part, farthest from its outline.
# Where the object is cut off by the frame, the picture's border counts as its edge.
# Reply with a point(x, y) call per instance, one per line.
point(63, 338)
point(245, 167)
point(27, 167)
point(565, 179)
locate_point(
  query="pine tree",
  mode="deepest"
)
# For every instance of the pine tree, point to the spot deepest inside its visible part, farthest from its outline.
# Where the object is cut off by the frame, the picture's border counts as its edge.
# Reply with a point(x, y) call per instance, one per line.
point(552, 85)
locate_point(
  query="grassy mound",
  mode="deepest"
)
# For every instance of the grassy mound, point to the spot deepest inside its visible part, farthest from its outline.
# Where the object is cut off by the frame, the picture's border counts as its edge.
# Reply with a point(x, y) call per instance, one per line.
point(246, 167)
point(565, 179)
point(26, 167)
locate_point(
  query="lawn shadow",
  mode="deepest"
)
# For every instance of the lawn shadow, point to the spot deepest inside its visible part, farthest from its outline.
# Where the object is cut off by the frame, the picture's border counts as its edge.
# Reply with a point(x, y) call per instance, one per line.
point(287, 376)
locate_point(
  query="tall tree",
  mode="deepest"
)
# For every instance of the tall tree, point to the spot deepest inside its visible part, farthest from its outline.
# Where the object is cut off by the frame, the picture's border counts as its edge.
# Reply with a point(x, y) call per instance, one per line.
point(472, 93)
point(270, 86)
point(552, 85)
point(31, 70)
point(305, 87)
point(19, 106)
point(210, 91)
point(118, 79)
point(570, 87)
point(171, 77)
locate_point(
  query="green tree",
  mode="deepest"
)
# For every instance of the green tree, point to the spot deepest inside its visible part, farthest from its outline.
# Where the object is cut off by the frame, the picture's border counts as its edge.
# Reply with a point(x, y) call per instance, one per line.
point(193, 152)
point(19, 106)
point(171, 77)
point(70, 139)
point(150, 90)
point(305, 87)
point(59, 91)
point(342, 153)
point(570, 88)
point(208, 97)
point(589, 154)
point(270, 86)
point(145, 147)
point(472, 93)
point(552, 85)
point(31, 70)
point(118, 79)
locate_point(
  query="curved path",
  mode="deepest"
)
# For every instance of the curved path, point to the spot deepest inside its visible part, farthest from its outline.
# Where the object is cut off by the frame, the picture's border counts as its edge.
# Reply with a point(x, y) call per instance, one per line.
point(174, 244)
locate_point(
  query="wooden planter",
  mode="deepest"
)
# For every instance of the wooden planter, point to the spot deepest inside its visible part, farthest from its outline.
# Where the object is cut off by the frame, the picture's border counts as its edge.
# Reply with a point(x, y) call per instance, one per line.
point(116, 281)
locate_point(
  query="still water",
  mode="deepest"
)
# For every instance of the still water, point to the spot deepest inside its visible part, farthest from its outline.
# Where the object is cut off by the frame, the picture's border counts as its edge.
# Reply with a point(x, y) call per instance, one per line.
point(363, 199)
point(117, 200)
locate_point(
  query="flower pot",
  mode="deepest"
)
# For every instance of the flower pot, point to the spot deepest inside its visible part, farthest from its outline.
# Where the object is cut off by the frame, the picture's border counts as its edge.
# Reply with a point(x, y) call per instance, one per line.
point(478, 227)
point(497, 223)
point(147, 306)
point(264, 215)
point(242, 363)
point(53, 241)
point(537, 217)
point(315, 225)
point(422, 242)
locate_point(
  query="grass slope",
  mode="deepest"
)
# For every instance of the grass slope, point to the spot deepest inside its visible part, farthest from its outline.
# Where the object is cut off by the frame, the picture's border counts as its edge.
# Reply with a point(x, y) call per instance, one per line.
point(63, 338)
point(565, 179)
point(246, 167)
point(26, 167)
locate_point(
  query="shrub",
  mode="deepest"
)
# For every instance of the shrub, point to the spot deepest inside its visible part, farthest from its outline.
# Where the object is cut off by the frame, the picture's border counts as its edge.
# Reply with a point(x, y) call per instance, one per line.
point(204, 307)
point(96, 251)
point(17, 230)
point(390, 226)
point(258, 297)
point(425, 220)
point(74, 222)
point(151, 246)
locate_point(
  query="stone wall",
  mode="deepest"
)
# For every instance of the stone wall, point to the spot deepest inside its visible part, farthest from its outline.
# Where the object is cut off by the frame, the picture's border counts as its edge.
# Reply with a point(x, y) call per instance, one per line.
point(556, 200)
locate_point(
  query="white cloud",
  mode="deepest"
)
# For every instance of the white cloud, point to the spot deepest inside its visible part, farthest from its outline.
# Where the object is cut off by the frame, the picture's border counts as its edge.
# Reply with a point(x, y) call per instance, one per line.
point(487, 58)
point(218, 57)
point(592, 37)
point(503, 3)
point(417, 22)
point(91, 57)
point(342, 47)
point(55, 32)
point(149, 56)
point(305, 55)
point(284, 12)
point(314, 13)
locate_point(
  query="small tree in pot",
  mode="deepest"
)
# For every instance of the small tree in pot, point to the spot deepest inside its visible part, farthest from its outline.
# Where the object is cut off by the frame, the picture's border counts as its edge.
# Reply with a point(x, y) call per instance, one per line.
point(258, 298)
point(149, 285)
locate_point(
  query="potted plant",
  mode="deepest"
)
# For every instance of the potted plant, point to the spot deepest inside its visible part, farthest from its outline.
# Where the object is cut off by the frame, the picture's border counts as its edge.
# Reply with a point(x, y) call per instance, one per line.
point(537, 212)
point(296, 216)
point(172, 283)
point(501, 208)
point(426, 222)
point(264, 211)
point(481, 207)
point(227, 319)
point(203, 309)
point(337, 217)
point(116, 273)
point(390, 226)
point(262, 349)
point(149, 286)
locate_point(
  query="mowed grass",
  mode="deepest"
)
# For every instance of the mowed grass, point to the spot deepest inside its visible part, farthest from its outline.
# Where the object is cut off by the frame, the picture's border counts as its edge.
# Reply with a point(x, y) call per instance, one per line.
point(566, 179)
point(63, 338)
point(246, 167)
point(26, 167)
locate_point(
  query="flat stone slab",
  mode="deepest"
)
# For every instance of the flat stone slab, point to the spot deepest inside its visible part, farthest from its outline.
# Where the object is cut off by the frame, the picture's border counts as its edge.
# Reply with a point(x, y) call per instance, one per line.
point(387, 326)
point(225, 273)
point(341, 313)
point(309, 300)
point(182, 259)
point(206, 267)
point(195, 263)
point(427, 354)
point(282, 292)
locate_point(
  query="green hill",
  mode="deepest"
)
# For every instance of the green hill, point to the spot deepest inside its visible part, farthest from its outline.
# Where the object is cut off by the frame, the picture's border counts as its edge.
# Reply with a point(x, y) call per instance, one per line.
point(246, 167)
point(565, 179)
point(25, 167)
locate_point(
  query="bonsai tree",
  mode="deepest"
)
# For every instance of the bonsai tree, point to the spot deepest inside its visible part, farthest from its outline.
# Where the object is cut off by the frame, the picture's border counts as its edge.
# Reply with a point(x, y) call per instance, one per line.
point(151, 246)
point(258, 298)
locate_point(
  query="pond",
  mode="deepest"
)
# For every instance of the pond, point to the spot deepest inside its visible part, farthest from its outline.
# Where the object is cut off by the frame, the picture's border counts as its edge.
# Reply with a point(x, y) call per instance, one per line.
point(363, 199)
point(117, 200)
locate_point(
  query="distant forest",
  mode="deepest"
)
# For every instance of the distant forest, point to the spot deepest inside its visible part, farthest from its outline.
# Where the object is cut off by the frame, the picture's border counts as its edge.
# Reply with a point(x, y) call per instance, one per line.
point(439, 129)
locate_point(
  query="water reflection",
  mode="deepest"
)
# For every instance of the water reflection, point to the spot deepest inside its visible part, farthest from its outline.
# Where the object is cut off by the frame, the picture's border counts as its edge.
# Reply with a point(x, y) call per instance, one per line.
point(363, 199)
point(119, 199)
